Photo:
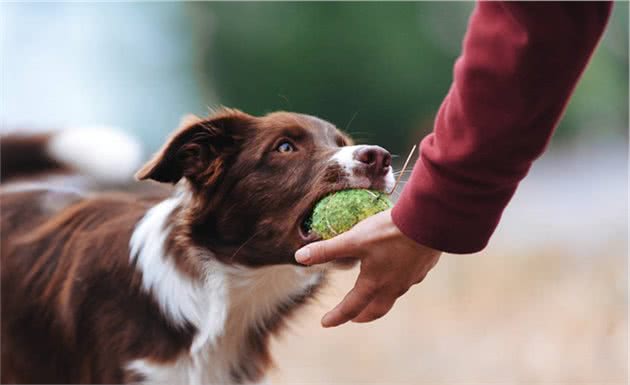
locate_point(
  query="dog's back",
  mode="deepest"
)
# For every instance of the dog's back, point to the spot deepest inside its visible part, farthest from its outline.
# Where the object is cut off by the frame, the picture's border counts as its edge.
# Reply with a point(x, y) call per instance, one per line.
point(54, 291)
point(49, 219)
point(100, 153)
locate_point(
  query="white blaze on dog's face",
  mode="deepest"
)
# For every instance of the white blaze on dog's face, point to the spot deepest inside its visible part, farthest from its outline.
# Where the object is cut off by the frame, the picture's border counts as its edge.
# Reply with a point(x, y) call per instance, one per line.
point(366, 167)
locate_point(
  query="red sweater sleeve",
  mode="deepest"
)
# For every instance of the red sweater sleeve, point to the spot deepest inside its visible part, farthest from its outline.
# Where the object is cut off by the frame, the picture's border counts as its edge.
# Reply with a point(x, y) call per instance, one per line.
point(519, 65)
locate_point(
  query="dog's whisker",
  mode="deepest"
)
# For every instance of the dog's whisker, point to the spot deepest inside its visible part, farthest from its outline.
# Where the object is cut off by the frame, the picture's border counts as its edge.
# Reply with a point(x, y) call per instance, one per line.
point(286, 99)
point(404, 167)
point(351, 120)
point(244, 243)
point(402, 184)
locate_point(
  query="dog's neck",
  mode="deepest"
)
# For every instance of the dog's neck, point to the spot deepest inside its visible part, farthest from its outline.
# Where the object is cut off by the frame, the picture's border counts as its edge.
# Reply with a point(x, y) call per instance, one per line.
point(233, 308)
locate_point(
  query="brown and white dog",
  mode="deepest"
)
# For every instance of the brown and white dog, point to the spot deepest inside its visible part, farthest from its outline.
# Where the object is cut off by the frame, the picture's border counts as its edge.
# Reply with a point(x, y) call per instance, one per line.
point(182, 288)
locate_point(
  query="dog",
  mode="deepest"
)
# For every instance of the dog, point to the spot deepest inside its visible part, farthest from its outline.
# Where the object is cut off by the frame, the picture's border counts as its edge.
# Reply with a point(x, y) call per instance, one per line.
point(182, 286)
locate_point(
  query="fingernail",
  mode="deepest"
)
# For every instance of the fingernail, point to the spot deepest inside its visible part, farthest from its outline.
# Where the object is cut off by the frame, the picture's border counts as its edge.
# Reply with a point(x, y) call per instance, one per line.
point(303, 255)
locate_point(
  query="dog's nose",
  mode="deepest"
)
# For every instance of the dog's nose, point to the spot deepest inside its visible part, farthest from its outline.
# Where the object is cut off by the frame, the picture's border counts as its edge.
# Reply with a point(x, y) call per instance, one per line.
point(377, 159)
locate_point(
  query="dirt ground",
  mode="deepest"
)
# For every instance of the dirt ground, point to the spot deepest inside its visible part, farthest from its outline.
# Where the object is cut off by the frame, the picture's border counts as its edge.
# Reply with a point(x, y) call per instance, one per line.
point(484, 318)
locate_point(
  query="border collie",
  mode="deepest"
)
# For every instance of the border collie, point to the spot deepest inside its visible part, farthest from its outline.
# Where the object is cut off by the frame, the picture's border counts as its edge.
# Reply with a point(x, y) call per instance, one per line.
point(178, 288)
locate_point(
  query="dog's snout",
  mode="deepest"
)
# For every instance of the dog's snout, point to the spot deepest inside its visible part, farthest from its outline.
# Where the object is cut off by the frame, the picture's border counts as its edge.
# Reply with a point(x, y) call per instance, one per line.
point(377, 159)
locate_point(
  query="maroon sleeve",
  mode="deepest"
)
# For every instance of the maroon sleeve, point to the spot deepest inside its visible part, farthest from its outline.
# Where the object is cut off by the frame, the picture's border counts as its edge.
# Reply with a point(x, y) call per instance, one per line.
point(519, 65)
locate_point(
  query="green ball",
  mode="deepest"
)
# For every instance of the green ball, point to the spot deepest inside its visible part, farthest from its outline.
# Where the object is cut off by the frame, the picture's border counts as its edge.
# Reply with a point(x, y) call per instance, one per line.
point(338, 212)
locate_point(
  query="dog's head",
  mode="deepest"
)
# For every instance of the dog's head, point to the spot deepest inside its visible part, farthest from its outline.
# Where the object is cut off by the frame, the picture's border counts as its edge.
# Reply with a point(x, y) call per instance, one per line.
point(254, 180)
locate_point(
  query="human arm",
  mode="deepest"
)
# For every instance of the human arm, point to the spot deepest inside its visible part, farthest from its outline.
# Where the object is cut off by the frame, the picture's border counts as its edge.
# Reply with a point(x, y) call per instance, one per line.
point(519, 65)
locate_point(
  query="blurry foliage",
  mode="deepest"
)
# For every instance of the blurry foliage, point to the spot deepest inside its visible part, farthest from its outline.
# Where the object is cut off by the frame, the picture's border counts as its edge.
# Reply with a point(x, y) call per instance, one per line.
point(600, 102)
point(380, 68)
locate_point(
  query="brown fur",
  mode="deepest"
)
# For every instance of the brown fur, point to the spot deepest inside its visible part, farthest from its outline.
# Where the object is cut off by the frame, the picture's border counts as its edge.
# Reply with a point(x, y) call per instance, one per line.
point(72, 305)
point(25, 156)
point(68, 287)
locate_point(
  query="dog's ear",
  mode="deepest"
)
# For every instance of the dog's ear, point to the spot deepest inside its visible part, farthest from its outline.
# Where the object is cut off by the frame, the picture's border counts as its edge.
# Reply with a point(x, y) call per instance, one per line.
point(197, 149)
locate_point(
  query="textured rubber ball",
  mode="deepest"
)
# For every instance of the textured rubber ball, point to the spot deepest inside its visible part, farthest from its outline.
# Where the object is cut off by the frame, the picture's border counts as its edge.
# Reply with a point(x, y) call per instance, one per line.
point(340, 211)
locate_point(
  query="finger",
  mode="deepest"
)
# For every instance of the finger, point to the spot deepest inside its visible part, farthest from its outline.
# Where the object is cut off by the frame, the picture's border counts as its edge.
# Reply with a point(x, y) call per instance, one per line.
point(353, 303)
point(421, 277)
point(375, 310)
point(341, 246)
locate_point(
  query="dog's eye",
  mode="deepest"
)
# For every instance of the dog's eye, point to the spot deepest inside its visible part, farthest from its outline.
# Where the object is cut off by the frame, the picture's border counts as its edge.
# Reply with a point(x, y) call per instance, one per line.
point(285, 147)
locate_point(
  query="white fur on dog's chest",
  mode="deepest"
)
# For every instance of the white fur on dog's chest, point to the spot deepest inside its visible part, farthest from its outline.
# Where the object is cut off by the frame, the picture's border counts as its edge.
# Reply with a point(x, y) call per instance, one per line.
point(228, 303)
point(252, 297)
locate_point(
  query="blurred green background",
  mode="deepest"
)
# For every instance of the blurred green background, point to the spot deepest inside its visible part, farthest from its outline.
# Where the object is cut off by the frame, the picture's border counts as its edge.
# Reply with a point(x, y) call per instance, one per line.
point(379, 69)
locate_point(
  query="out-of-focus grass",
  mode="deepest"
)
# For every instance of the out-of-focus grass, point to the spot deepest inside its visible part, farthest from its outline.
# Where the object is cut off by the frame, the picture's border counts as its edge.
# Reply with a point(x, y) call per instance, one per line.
point(484, 318)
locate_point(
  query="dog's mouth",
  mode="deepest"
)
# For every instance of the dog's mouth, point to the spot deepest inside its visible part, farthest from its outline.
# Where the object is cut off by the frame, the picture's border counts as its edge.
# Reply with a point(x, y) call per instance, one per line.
point(304, 227)
point(304, 224)
point(307, 235)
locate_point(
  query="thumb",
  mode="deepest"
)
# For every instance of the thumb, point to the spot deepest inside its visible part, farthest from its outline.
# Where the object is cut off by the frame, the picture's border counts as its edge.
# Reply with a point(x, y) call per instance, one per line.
point(341, 246)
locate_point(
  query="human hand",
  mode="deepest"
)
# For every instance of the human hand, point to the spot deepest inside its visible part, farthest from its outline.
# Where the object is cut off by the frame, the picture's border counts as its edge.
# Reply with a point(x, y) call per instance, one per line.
point(390, 264)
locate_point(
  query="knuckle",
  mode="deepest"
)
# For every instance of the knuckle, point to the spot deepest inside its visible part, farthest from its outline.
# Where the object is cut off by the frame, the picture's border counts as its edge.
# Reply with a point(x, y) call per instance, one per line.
point(400, 292)
point(350, 310)
point(319, 252)
point(376, 314)
point(353, 243)
point(343, 314)
point(348, 313)
point(370, 288)
point(322, 247)
point(420, 278)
